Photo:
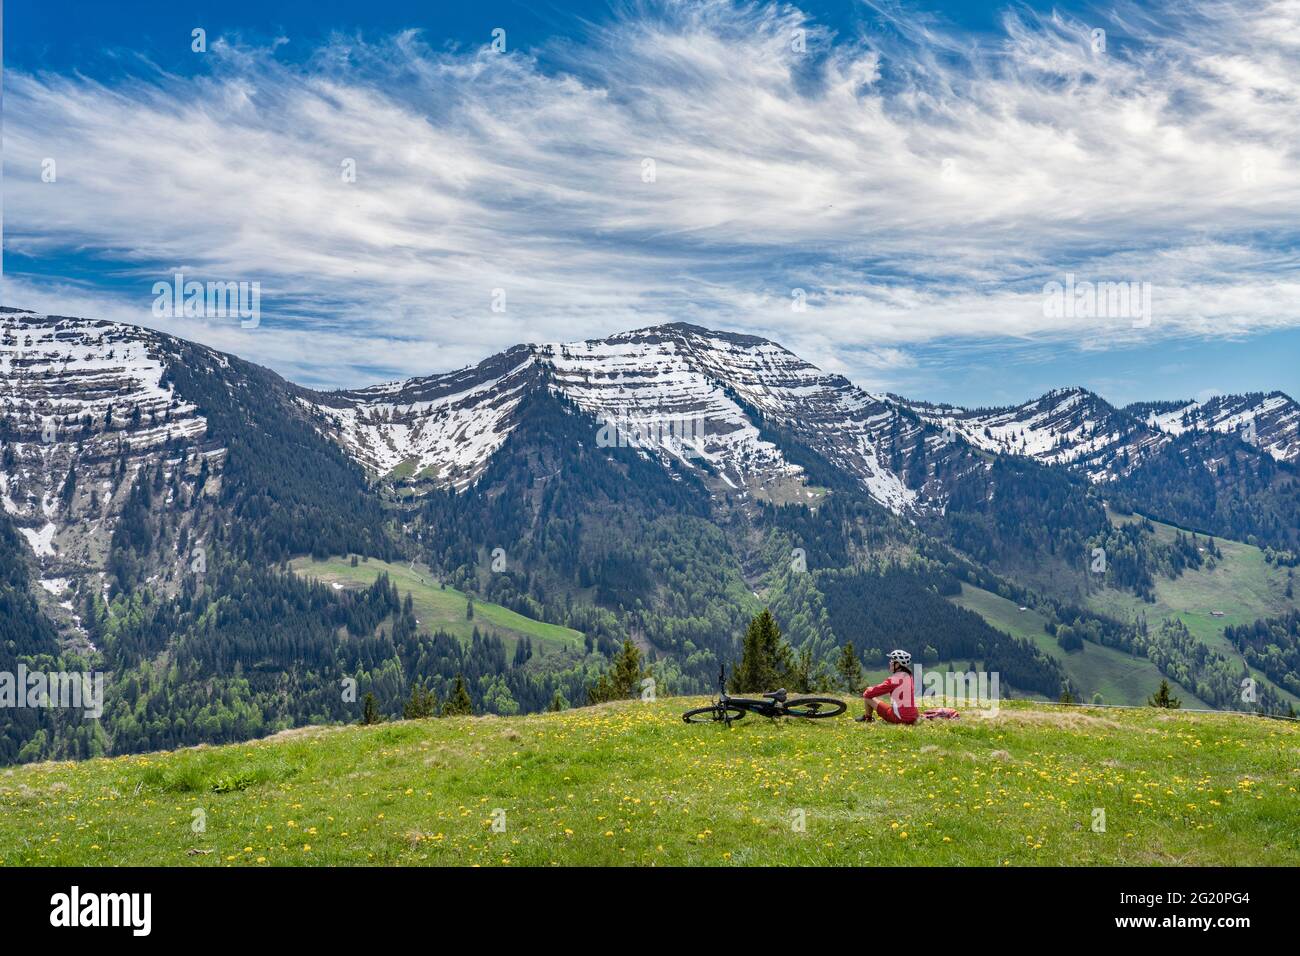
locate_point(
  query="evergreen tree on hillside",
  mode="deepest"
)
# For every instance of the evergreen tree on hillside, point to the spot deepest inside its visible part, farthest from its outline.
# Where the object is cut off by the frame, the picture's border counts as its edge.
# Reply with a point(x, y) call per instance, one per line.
point(69, 489)
point(1163, 698)
point(848, 668)
point(422, 703)
point(622, 680)
point(806, 673)
point(458, 702)
point(765, 658)
point(369, 709)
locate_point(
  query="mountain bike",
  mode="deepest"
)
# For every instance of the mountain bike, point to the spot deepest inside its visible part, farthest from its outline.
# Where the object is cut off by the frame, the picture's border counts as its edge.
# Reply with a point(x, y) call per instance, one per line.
point(771, 704)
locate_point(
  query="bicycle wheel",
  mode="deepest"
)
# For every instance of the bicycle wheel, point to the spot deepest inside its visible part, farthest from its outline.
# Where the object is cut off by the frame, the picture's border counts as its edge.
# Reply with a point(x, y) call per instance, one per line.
point(814, 707)
point(713, 713)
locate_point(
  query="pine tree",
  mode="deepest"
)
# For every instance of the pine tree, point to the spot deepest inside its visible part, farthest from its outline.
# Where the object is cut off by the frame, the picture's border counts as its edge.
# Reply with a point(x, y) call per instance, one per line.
point(623, 678)
point(423, 703)
point(1163, 698)
point(806, 674)
point(369, 709)
point(469, 609)
point(558, 702)
point(458, 702)
point(69, 489)
point(766, 659)
point(849, 669)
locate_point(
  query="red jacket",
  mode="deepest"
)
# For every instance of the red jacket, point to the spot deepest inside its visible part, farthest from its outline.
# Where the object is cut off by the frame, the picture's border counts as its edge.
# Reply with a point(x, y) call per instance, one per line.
point(901, 693)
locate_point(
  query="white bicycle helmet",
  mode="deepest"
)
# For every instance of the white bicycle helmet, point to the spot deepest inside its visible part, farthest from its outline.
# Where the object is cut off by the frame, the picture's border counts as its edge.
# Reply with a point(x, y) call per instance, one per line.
point(901, 657)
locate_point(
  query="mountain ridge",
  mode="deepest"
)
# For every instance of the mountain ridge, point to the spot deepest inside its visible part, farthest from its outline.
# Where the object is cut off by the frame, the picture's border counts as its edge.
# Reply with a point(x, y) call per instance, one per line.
point(442, 428)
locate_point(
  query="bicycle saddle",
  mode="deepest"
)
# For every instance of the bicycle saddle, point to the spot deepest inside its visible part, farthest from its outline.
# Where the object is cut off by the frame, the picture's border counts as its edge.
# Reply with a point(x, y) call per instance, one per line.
point(775, 694)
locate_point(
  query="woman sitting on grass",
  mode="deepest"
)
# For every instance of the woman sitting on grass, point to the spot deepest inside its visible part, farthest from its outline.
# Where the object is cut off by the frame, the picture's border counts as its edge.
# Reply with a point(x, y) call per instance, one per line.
point(899, 707)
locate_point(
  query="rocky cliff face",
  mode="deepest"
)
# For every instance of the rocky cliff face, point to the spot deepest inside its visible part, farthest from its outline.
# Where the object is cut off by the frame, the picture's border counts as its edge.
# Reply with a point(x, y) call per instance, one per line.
point(86, 409)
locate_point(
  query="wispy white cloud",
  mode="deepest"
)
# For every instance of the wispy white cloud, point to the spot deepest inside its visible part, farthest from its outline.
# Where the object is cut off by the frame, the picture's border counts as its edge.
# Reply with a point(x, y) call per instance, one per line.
point(917, 188)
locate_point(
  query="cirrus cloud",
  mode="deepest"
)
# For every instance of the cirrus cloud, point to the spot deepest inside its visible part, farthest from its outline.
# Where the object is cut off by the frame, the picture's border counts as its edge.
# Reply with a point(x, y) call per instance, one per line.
point(918, 185)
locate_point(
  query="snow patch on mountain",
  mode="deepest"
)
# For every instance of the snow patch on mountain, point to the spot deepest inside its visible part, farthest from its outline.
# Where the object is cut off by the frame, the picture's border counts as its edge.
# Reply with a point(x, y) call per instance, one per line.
point(42, 541)
point(1270, 422)
point(444, 427)
point(653, 380)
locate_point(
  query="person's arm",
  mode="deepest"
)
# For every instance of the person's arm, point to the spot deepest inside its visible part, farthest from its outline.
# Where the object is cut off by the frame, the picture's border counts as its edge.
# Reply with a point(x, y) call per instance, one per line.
point(881, 689)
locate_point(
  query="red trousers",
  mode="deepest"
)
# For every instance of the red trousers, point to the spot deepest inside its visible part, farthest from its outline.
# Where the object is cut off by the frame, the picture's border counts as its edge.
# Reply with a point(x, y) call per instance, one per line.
point(886, 711)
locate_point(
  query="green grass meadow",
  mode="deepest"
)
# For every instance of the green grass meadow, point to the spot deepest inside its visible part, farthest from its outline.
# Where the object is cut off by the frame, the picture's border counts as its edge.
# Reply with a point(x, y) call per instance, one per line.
point(1120, 678)
point(1242, 587)
point(439, 608)
point(630, 784)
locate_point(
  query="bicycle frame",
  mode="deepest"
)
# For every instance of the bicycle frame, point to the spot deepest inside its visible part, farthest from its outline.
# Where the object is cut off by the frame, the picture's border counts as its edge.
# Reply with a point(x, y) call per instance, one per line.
point(764, 707)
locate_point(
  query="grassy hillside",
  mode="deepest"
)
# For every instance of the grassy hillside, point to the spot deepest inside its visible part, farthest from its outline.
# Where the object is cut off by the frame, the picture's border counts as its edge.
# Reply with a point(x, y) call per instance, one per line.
point(631, 784)
point(441, 608)
point(1242, 586)
point(1120, 678)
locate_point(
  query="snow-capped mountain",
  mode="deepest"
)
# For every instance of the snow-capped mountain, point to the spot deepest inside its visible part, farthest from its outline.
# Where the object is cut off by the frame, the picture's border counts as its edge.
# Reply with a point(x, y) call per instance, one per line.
point(1270, 422)
point(1079, 429)
point(115, 447)
point(748, 416)
point(91, 400)
point(445, 428)
point(691, 394)
point(1067, 426)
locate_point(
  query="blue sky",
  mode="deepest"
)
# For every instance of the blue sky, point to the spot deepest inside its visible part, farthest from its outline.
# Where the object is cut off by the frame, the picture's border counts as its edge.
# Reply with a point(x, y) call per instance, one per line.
point(889, 189)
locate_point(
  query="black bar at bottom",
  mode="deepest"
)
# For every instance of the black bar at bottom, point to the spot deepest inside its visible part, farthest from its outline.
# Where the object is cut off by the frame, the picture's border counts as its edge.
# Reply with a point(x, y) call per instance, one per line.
point(335, 906)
